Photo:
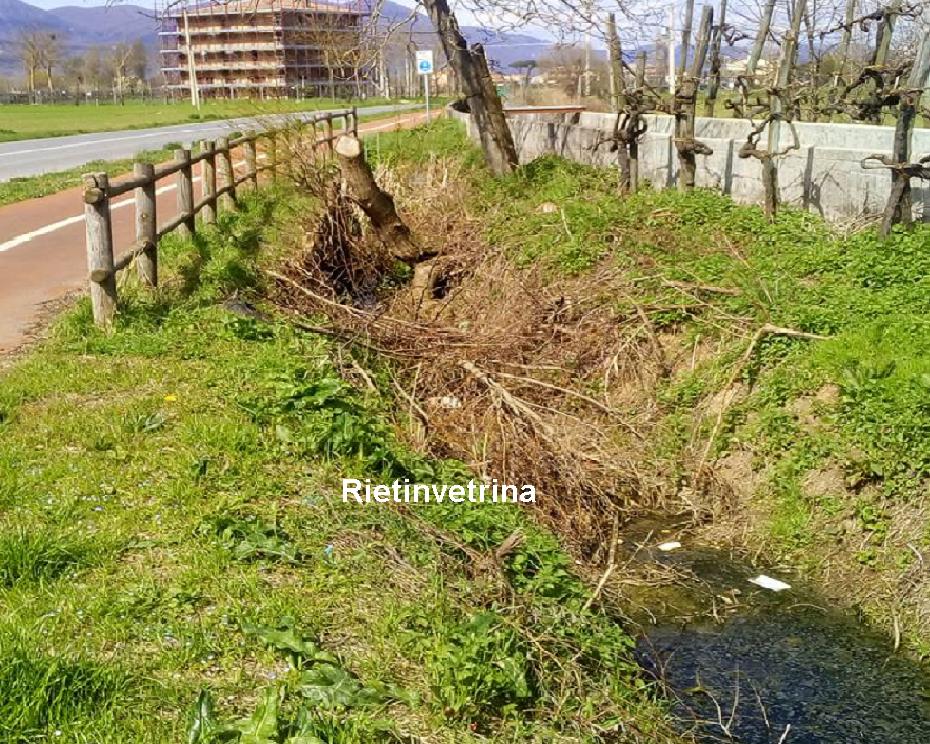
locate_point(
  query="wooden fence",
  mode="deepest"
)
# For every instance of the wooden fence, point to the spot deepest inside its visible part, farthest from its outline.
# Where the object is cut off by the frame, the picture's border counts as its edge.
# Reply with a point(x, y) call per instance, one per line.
point(219, 183)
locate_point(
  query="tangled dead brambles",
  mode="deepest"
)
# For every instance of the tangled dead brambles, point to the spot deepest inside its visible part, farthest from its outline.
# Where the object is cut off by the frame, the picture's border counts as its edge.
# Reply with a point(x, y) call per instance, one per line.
point(542, 374)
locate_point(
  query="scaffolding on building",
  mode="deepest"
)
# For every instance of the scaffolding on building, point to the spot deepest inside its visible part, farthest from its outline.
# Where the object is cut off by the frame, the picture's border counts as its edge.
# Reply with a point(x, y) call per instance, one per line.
point(264, 49)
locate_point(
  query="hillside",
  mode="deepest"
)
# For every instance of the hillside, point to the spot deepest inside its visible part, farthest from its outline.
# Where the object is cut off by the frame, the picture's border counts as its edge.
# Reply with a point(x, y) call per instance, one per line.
point(79, 27)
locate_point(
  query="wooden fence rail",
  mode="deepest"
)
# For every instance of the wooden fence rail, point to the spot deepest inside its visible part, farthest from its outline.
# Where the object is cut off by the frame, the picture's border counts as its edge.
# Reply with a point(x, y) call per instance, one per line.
point(219, 183)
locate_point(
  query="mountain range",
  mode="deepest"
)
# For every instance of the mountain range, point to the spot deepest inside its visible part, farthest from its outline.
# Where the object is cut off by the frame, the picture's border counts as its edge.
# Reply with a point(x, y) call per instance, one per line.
point(83, 26)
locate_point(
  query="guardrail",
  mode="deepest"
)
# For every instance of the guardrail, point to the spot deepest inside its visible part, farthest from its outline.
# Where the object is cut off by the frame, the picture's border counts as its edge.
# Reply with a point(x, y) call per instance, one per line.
point(219, 184)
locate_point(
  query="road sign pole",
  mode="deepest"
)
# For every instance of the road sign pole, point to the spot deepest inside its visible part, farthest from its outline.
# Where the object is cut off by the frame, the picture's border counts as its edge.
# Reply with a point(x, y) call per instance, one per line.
point(424, 60)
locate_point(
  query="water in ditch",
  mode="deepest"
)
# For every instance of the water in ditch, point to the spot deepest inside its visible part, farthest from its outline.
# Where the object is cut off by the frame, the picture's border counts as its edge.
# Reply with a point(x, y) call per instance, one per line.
point(750, 665)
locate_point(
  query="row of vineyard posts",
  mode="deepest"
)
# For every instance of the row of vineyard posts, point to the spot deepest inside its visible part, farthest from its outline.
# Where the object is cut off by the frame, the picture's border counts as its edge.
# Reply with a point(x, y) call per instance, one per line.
point(875, 90)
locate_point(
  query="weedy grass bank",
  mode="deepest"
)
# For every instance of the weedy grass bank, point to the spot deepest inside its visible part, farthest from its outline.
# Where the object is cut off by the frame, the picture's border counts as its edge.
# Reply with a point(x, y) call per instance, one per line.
point(176, 564)
point(782, 377)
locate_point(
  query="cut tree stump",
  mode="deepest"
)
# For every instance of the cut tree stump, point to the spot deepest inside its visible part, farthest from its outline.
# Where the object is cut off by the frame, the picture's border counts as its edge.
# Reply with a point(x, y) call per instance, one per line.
point(377, 204)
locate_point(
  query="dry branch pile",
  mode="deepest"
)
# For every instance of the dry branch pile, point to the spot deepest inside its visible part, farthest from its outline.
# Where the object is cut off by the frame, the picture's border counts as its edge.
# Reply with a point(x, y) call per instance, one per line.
point(526, 380)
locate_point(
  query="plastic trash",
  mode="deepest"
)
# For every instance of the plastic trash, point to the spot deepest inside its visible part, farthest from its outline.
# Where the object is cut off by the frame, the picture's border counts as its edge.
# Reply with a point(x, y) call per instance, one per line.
point(767, 582)
point(669, 546)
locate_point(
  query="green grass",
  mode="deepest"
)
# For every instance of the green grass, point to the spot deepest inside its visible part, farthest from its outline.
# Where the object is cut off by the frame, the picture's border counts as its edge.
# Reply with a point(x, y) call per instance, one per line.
point(25, 121)
point(175, 560)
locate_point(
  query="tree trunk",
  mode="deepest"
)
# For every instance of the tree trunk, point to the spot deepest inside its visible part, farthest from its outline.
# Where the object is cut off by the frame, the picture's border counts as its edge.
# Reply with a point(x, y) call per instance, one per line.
point(471, 67)
point(378, 205)
point(686, 105)
point(898, 209)
point(713, 82)
point(634, 143)
point(843, 51)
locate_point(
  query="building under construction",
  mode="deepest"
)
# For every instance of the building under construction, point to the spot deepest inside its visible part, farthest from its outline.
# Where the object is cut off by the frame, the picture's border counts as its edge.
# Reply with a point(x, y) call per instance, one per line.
point(263, 49)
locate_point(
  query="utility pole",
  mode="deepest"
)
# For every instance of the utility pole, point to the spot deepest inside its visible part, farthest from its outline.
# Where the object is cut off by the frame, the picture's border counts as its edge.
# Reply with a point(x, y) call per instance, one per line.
point(191, 64)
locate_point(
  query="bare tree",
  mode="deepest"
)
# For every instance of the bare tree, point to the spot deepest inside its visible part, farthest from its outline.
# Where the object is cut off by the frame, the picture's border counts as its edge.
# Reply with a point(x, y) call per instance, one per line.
point(120, 57)
point(51, 57)
point(73, 71)
point(31, 45)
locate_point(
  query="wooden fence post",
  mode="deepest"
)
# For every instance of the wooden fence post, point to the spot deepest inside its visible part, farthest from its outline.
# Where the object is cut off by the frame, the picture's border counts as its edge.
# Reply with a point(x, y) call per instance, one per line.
point(346, 126)
point(146, 230)
point(99, 238)
point(185, 181)
point(355, 121)
point(615, 65)
point(225, 174)
point(251, 159)
point(208, 181)
point(713, 82)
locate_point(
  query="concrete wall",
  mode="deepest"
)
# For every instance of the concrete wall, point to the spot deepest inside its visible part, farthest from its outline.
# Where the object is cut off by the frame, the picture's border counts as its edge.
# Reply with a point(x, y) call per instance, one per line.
point(825, 175)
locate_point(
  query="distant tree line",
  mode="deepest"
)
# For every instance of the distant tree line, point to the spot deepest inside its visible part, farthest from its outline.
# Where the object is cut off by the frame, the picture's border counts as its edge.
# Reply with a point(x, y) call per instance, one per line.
point(51, 73)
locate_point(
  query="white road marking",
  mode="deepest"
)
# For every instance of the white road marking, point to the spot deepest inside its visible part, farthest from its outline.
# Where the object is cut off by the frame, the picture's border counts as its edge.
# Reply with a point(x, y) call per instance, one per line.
point(26, 237)
point(68, 221)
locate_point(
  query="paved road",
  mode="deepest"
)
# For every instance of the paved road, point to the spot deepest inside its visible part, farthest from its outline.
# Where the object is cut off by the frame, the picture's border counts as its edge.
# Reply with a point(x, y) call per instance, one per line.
point(42, 251)
point(37, 156)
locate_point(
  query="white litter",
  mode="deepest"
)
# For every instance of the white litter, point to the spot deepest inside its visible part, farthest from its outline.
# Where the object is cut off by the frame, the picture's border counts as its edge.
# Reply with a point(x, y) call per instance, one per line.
point(669, 546)
point(767, 582)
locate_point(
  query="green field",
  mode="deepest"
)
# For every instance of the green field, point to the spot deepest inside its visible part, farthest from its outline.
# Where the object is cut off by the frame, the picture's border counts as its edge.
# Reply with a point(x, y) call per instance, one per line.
point(24, 121)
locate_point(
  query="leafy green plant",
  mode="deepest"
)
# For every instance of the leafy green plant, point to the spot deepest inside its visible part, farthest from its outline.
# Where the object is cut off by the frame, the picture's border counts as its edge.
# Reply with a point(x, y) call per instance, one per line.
point(328, 695)
point(286, 639)
point(250, 538)
point(481, 668)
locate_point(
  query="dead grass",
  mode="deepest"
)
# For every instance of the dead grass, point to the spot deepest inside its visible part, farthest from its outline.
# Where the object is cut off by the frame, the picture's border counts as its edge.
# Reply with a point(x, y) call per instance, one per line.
point(524, 378)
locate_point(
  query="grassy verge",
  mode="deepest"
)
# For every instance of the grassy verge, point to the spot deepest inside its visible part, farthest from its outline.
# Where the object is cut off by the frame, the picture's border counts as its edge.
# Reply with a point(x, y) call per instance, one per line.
point(24, 121)
point(174, 560)
point(33, 187)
